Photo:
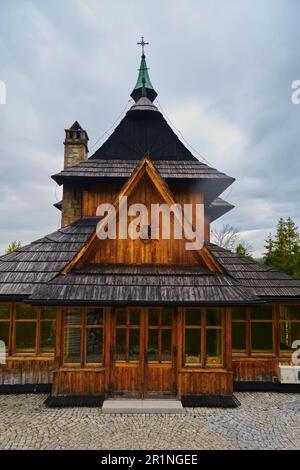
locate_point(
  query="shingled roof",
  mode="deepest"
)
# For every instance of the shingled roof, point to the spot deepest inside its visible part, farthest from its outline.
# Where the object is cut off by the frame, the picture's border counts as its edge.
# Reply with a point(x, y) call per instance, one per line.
point(37, 263)
point(170, 169)
point(33, 272)
point(146, 284)
point(212, 181)
point(264, 281)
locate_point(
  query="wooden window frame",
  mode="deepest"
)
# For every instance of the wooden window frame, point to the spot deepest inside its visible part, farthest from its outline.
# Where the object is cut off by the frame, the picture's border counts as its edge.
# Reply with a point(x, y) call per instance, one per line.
point(83, 326)
point(249, 321)
point(284, 354)
point(10, 322)
point(128, 327)
point(38, 320)
point(203, 364)
point(159, 328)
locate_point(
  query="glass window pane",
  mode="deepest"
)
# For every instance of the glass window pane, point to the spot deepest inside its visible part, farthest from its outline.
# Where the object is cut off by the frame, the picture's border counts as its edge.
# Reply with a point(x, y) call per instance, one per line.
point(264, 312)
point(290, 312)
point(94, 345)
point(121, 344)
point(72, 345)
point(193, 316)
point(153, 317)
point(214, 348)
point(25, 312)
point(239, 313)
point(135, 317)
point(121, 316)
point(95, 316)
point(4, 312)
point(25, 337)
point(134, 345)
point(47, 336)
point(213, 317)
point(166, 345)
point(48, 313)
point(4, 333)
point(239, 337)
point(262, 337)
point(167, 315)
point(73, 316)
point(153, 345)
point(289, 332)
point(192, 346)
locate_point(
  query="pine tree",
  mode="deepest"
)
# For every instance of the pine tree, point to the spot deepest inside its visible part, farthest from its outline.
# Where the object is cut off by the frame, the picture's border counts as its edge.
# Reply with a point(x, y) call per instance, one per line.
point(243, 250)
point(13, 246)
point(283, 251)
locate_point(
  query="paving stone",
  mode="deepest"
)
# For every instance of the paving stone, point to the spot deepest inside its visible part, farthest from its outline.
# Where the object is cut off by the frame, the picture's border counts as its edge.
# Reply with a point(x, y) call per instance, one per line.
point(263, 421)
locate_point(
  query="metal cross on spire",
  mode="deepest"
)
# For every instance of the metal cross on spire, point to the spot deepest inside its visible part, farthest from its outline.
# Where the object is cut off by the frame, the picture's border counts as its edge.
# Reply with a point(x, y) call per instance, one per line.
point(143, 44)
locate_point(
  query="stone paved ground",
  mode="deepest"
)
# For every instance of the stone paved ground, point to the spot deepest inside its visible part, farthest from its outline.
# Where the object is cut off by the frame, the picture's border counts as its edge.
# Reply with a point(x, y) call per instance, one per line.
point(264, 421)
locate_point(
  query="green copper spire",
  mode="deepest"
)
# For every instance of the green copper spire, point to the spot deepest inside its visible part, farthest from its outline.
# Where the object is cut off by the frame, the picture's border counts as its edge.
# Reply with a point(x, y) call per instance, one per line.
point(143, 79)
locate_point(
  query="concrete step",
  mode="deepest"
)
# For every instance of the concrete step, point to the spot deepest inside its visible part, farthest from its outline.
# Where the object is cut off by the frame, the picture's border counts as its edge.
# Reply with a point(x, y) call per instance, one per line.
point(133, 406)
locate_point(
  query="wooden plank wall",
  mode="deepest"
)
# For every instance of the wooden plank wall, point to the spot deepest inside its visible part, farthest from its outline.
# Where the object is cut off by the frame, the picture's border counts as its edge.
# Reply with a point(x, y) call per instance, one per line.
point(81, 382)
point(27, 371)
point(205, 383)
point(137, 251)
point(256, 369)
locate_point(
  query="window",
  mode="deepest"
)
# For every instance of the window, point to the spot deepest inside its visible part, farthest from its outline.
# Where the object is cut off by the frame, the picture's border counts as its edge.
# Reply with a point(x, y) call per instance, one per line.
point(160, 335)
point(83, 336)
point(128, 334)
point(47, 329)
point(239, 331)
point(5, 319)
point(203, 337)
point(289, 327)
point(253, 330)
point(193, 337)
point(34, 330)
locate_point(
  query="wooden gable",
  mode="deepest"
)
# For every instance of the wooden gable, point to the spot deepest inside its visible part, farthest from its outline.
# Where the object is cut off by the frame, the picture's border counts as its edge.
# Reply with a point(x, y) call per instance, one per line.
point(145, 186)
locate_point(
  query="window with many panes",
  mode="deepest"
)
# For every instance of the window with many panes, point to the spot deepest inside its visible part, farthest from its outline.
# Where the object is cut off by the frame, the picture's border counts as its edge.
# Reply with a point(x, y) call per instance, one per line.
point(128, 334)
point(289, 328)
point(160, 335)
point(253, 330)
point(203, 337)
point(34, 329)
point(83, 336)
point(28, 330)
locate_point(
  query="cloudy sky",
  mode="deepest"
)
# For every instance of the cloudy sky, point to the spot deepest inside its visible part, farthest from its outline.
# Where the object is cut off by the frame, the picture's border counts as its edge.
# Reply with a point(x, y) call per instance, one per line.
point(223, 71)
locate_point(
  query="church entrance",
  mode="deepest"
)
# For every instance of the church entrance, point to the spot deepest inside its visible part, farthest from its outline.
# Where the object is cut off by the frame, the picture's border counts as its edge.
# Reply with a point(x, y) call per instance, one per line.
point(143, 352)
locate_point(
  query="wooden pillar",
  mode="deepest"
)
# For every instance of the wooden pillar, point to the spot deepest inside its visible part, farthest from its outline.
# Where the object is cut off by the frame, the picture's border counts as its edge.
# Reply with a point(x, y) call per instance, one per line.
point(59, 337)
point(228, 340)
point(108, 347)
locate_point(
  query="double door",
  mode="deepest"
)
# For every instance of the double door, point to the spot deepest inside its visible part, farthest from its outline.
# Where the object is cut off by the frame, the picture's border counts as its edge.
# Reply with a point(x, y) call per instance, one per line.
point(143, 351)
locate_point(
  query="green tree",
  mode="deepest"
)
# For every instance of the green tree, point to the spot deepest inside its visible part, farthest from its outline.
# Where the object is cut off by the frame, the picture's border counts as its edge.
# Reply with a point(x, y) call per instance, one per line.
point(13, 246)
point(283, 250)
point(243, 250)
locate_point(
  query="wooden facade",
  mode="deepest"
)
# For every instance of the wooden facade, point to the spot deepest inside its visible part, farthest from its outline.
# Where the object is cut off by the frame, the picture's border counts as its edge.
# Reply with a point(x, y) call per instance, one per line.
point(141, 316)
point(157, 366)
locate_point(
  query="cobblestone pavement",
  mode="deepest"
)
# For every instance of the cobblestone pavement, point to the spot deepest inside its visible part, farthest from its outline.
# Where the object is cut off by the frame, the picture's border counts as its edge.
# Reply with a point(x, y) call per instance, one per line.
point(263, 421)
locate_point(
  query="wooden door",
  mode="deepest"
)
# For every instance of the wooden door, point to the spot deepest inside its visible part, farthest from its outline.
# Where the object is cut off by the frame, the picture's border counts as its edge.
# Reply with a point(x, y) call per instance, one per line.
point(143, 352)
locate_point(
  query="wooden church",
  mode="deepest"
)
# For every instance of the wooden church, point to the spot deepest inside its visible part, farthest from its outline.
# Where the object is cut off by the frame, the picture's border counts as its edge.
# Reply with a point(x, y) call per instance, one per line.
point(143, 317)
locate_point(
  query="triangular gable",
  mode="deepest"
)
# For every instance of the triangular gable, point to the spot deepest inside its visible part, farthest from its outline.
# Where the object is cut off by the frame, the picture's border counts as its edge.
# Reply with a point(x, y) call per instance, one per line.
point(145, 167)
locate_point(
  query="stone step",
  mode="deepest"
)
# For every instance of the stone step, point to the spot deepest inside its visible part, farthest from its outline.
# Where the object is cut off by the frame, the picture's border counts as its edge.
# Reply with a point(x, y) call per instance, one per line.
point(133, 406)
